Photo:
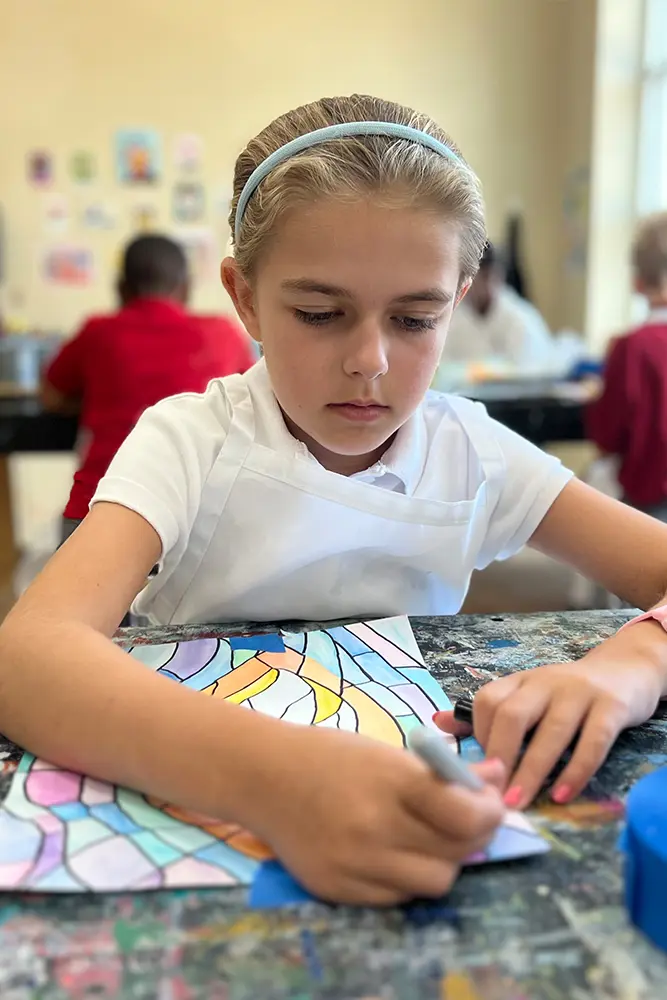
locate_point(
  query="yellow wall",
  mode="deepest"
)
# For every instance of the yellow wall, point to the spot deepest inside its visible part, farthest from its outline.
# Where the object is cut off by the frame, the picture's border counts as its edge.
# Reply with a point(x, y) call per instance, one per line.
point(494, 72)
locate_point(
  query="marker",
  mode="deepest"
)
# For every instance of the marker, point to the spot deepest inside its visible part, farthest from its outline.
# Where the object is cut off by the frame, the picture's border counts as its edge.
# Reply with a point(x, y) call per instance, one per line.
point(463, 710)
point(433, 749)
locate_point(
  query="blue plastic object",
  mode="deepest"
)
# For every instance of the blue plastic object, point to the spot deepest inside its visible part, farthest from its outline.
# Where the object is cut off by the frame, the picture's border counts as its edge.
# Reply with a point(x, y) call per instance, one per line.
point(273, 886)
point(645, 844)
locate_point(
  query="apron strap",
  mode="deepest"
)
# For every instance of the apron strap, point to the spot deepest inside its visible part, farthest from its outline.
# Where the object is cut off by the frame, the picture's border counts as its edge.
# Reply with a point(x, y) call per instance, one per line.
point(217, 486)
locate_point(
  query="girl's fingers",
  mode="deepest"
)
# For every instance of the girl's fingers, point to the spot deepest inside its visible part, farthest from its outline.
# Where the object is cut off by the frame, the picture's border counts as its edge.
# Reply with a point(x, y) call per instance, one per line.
point(492, 772)
point(553, 735)
point(487, 702)
point(406, 876)
point(514, 717)
point(450, 813)
point(448, 724)
point(605, 721)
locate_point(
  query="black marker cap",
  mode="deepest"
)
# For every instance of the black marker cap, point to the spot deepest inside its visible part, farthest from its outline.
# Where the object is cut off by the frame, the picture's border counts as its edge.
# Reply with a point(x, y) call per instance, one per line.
point(463, 710)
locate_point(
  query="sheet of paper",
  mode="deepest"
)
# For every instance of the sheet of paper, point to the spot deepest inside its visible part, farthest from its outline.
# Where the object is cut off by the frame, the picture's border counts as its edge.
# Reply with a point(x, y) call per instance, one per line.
point(60, 831)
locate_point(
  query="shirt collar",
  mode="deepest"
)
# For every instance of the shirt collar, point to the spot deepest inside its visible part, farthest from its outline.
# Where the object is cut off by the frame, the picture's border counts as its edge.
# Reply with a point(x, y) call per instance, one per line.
point(403, 462)
point(156, 306)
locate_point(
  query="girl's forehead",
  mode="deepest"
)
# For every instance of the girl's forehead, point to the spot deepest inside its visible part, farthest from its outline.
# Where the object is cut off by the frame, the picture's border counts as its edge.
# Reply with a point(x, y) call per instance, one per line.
point(355, 237)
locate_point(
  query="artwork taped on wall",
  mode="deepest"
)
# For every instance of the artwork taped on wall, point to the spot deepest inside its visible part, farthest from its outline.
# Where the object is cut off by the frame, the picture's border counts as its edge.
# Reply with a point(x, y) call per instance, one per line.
point(62, 832)
point(68, 265)
point(138, 156)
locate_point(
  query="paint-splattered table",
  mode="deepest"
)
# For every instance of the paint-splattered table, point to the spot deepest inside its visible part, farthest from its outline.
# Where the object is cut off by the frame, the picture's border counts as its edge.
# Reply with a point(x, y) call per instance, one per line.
point(551, 928)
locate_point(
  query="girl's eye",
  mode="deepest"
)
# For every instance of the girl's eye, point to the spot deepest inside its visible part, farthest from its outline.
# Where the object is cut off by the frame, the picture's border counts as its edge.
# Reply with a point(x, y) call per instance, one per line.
point(315, 318)
point(416, 324)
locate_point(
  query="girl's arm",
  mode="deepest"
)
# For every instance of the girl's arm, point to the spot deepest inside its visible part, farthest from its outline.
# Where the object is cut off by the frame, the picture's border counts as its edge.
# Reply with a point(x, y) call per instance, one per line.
point(69, 694)
point(354, 820)
point(618, 684)
point(620, 548)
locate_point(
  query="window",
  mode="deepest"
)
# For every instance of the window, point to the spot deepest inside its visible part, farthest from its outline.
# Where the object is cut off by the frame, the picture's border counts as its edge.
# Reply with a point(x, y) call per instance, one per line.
point(652, 151)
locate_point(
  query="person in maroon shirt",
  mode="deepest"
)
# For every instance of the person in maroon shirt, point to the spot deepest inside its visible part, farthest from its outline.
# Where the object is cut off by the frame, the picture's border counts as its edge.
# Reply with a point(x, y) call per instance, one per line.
point(629, 419)
point(120, 364)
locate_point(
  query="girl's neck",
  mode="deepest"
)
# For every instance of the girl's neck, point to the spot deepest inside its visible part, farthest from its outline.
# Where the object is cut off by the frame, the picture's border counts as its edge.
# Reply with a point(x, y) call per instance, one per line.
point(343, 465)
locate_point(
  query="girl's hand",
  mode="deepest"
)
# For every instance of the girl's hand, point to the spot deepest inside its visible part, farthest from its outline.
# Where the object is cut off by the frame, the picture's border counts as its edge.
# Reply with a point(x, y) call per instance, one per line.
point(598, 696)
point(359, 822)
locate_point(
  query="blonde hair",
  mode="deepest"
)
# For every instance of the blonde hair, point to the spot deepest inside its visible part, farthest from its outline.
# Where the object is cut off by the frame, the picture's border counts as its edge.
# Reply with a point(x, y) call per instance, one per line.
point(649, 251)
point(354, 167)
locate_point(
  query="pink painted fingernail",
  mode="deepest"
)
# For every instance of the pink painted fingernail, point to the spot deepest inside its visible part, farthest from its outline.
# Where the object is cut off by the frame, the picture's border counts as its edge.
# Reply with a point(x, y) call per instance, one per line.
point(436, 716)
point(513, 796)
point(561, 794)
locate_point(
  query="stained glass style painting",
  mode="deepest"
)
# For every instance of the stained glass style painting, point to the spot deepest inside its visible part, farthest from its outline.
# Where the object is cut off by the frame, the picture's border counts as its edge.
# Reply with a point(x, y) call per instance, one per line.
point(61, 831)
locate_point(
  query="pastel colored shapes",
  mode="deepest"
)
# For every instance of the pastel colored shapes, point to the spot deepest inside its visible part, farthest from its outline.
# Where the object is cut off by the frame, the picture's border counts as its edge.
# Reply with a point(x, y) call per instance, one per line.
point(191, 657)
point(52, 788)
point(49, 856)
point(192, 871)
point(12, 873)
point(71, 810)
point(83, 832)
point(57, 880)
point(111, 865)
point(109, 813)
point(186, 838)
point(156, 656)
point(96, 792)
point(225, 857)
point(20, 840)
point(48, 822)
point(159, 852)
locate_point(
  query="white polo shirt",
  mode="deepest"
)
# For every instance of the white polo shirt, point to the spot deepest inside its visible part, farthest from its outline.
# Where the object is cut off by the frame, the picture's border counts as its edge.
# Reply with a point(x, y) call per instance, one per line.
point(253, 528)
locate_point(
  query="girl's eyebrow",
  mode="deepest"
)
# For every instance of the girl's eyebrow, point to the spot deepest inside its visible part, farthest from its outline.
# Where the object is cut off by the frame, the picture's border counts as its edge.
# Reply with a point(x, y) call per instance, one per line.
point(334, 291)
point(426, 295)
point(318, 287)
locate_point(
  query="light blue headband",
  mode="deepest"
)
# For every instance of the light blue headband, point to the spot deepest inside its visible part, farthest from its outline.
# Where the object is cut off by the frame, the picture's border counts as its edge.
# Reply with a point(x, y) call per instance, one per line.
point(302, 142)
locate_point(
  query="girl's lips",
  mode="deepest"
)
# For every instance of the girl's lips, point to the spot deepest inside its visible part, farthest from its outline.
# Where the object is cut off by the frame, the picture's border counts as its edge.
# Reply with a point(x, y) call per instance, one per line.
point(359, 411)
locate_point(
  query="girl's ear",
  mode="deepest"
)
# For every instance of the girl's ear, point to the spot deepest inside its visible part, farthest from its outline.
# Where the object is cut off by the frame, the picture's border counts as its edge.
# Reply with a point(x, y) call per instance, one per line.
point(241, 295)
point(463, 291)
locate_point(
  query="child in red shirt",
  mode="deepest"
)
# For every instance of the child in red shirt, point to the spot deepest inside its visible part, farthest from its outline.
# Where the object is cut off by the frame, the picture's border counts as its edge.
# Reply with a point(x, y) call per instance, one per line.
point(629, 419)
point(118, 365)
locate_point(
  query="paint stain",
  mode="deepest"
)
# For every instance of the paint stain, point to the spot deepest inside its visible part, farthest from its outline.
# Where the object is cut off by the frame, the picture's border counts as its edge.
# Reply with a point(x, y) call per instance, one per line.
point(583, 814)
point(458, 986)
point(310, 955)
point(502, 643)
point(560, 845)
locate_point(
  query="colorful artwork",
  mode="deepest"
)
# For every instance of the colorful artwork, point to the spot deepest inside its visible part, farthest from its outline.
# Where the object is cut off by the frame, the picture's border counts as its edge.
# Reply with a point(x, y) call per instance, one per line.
point(82, 167)
point(188, 152)
point(68, 265)
point(188, 201)
point(138, 156)
point(99, 215)
point(144, 217)
point(60, 831)
point(39, 168)
point(56, 213)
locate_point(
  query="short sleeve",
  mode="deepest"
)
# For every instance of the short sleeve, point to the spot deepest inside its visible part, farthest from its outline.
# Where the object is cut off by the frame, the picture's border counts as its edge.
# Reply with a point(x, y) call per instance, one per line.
point(523, 485)
point(66, 371)
point(160, 469)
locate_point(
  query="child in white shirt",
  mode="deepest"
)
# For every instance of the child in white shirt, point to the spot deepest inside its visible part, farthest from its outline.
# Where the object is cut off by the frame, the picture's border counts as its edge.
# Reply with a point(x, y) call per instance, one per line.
point(494, 321)
point(326, 482)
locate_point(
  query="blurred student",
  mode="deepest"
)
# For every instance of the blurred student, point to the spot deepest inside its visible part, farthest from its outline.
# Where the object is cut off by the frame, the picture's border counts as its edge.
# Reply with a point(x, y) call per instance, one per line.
point(119, 365)
point(629, 418)
point(493, 321)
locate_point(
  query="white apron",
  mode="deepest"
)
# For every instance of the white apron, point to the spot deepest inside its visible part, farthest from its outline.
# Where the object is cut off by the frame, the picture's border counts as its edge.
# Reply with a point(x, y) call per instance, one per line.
point(324, 546)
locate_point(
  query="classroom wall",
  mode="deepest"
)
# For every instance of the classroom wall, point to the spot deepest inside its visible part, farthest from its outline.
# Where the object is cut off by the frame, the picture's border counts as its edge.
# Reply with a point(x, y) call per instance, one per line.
point(503, 76)
point(575, 85)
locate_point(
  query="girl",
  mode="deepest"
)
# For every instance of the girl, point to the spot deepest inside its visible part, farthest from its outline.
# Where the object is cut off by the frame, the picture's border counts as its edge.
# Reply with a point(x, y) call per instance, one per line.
point(326, 482)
